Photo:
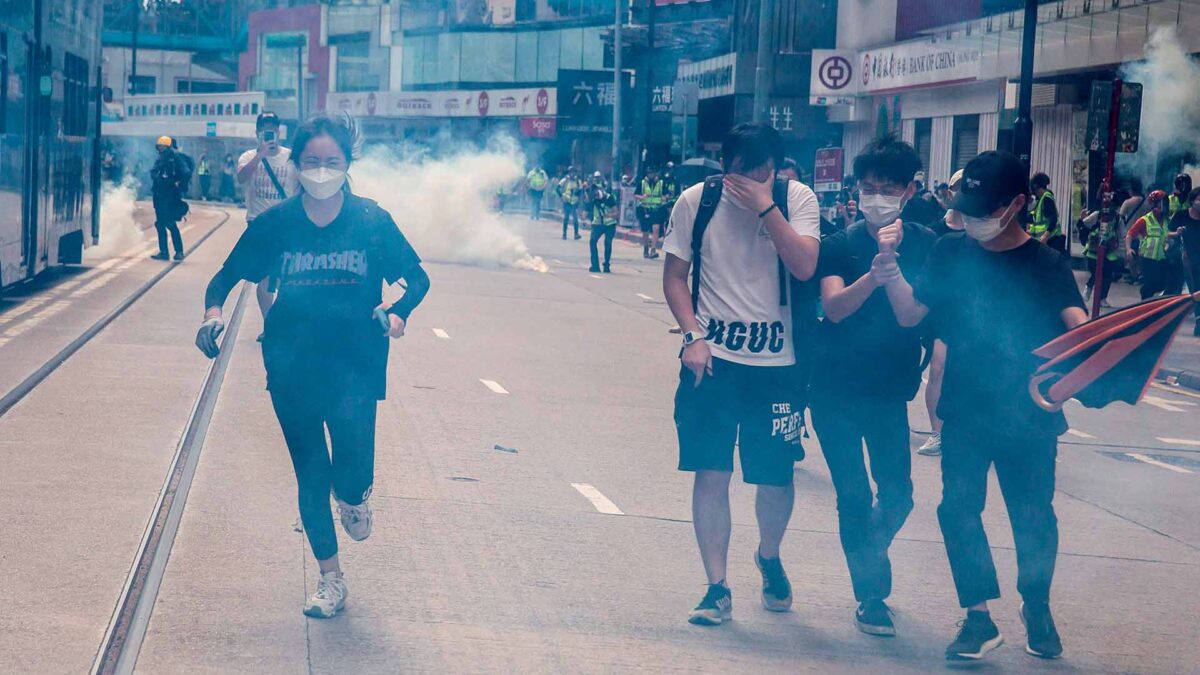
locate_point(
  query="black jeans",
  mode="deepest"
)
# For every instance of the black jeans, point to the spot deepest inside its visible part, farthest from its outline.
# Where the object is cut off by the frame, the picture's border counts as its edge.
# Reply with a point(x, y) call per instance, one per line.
point(205, 185)
point(164, 223)
point(598, 231)
point(535, 204)
point(570, 211)
point(1110, 273)
point(350, 473)
point(1173, 276)
point(1025, 469)
point(867, 525)
point(1154, 277)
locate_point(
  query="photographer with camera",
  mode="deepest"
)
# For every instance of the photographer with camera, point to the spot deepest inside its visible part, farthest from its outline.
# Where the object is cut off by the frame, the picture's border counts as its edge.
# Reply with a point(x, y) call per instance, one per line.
point(267, 178)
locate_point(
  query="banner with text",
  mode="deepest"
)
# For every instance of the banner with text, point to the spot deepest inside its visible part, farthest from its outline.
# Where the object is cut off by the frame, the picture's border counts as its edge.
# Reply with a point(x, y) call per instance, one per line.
point(838, 76)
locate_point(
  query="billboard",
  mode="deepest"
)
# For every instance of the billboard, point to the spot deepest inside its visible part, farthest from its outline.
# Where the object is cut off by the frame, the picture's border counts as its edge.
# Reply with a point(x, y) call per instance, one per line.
point(586, 99)
point(827, 176)
point(519, 102)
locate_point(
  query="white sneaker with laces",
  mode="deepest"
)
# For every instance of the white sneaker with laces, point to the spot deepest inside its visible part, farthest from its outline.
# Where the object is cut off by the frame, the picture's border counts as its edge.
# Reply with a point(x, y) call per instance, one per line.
point(329, 598)
point(356, 519)
point(932, 446)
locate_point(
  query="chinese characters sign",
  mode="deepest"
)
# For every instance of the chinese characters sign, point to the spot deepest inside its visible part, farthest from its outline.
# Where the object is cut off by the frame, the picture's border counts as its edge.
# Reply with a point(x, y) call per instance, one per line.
point(586, 99)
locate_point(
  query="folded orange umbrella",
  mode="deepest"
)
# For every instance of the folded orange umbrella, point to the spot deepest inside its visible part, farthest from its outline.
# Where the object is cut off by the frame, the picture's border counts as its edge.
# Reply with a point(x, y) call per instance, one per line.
point(1112, 358)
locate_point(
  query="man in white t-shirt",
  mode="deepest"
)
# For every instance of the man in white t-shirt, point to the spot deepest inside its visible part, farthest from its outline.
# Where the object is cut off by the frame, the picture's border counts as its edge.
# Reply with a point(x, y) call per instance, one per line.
point(267, 178)
point(735, 383)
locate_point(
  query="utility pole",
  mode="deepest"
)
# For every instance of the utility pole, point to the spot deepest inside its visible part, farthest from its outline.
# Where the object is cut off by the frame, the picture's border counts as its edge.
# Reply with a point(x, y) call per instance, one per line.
point(762, 66)
point(1023, 126)
point(300, 81)
point(137, 21)
point(648, 75)
point(619, 18)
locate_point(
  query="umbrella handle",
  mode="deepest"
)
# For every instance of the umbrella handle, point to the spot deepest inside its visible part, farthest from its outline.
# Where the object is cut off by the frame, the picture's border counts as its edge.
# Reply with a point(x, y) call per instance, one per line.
point(1035, 392)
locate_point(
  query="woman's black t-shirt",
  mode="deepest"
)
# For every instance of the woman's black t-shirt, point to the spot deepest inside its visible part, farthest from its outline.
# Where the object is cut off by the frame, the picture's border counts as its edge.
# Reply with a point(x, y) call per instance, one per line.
point(992, 309)
point(320, 337)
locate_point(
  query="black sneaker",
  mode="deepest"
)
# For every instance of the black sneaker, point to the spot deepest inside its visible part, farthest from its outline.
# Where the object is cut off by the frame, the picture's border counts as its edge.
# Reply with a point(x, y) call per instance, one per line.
point(607, 269)
point(716, 607)
point(161, 255)
point(777, 590)
point(875, 618)
point(179, 255)
point(1041, 636)
point(578, 237)
point(594, 270)
point(977, 636)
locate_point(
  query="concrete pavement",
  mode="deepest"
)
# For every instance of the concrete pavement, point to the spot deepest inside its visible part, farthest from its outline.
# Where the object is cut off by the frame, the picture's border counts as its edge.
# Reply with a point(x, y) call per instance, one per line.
point(484, 560)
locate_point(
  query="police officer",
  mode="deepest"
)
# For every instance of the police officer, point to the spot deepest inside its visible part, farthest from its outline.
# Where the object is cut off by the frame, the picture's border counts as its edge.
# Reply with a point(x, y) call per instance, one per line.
point(1090, 231)
point(651, 210)
point(604, 215)
point(1151, 231)
point(569, 189)
point(535, 182)
point(1044, 223)
point(167, 182)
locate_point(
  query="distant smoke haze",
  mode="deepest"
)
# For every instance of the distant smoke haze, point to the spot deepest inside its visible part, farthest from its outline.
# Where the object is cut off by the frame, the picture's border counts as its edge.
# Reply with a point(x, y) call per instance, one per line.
point(443, 202)
point(1170, 105)
point(119, 232)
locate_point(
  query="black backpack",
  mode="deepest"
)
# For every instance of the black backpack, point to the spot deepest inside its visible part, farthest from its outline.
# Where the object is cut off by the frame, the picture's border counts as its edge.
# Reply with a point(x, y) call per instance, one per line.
point(803, 293)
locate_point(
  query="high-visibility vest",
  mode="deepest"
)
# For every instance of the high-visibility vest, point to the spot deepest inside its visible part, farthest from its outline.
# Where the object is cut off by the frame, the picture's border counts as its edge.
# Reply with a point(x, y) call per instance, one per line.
point(1093, 243)
point(1154, 243)
point(652, 197)
point(537, 180)
point(1038, 226)
point(570, 191)
point(1175, 205)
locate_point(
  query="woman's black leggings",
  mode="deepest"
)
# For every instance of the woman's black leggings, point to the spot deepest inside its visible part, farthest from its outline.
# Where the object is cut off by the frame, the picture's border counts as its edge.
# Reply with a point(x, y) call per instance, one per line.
point(351, 424)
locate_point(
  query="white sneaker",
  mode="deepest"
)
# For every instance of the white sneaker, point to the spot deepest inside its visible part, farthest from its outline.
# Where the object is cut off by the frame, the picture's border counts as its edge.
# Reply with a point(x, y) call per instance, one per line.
point(356, 519)
point(932, 446)
point(330, 597)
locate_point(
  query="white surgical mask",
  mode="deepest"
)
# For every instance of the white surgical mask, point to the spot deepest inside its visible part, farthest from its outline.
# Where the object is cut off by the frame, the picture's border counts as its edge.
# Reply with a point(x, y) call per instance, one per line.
point(880, 210)
point(322, 183)
point(982, 229)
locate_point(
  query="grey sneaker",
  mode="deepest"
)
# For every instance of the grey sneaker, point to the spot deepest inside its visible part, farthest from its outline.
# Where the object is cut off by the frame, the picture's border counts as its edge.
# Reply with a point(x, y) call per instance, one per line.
point(356, 518)
point(932, 446)
point(329, 598)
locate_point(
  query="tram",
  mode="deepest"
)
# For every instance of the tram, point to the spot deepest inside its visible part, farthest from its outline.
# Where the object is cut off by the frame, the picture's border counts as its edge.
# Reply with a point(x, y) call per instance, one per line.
point(49, 133)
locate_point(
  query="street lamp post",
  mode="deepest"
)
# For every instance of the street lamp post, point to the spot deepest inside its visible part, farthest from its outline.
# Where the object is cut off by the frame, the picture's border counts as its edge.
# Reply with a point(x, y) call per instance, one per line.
point(1023, 126)
point(619, 19)
point(762, 67)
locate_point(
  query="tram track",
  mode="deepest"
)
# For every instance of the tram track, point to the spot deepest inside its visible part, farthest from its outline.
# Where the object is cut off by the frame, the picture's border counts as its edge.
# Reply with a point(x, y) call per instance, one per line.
point(31, 382)
point(126, 629)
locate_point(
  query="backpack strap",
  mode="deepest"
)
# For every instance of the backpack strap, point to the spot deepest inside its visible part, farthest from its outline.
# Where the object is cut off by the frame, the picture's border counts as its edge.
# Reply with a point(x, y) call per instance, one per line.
point(275, 180)
point(779, 191)
point(708, 206)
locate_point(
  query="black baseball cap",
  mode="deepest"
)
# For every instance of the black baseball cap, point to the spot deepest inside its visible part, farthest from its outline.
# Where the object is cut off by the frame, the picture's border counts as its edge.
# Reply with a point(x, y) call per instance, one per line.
point(264, 119)
point(989, 182)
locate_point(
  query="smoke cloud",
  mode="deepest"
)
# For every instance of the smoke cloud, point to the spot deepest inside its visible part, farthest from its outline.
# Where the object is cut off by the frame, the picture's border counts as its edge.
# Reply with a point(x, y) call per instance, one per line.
point(443, 203)
point(119, 232)
point(1170, 106)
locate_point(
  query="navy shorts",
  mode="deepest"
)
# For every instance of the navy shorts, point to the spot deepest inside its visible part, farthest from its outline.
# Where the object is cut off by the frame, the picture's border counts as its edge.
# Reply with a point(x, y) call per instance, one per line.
point(648, 218)
point(758, 408)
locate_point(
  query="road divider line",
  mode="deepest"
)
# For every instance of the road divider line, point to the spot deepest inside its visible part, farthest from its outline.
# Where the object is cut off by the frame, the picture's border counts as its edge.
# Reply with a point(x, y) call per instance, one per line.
point(494, 386)
point(603, 504)
point(441, 333)
point(645, 297)
point(1162, 403)
point(1154, 462)
point(1180, 441)
point(1080, 434)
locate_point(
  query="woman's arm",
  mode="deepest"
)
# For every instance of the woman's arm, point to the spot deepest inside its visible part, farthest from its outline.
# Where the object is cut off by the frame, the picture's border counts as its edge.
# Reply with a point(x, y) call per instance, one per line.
point(417, 289)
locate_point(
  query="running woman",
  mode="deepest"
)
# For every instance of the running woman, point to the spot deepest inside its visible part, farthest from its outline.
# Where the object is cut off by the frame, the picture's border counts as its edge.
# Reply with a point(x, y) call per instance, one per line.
point(325, 346)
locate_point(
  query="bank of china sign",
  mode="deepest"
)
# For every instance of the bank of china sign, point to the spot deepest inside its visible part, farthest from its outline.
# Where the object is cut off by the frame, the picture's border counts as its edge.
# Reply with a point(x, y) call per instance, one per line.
point(839, 75)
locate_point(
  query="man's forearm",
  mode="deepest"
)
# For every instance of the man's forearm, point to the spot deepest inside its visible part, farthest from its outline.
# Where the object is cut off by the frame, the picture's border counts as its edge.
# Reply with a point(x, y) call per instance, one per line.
point(904, 304)
point(798, 252)
point(246, 173)
point(679, 300)
point(841, 304)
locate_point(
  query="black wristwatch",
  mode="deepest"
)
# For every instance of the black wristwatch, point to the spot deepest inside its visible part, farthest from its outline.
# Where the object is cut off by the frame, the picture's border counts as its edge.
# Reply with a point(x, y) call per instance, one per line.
point(692, 336)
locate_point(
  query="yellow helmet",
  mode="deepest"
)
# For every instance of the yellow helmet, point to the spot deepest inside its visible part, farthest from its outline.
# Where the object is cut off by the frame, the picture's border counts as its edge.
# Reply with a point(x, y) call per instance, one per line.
point(163, 141)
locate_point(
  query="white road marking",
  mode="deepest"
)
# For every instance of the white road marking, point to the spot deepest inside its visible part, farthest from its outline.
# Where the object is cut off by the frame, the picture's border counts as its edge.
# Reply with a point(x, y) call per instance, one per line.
point(603, 504)
point(1080, 434)
point(644, 296)
point(1154, 462)
point(596, 276)
point(441, 333)
point(1169, 406)
point(1180, 441)
point(494, 386)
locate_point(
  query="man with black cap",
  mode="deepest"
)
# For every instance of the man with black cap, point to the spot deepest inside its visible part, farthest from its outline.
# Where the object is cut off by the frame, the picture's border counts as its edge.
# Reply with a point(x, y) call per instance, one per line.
point(993, 294)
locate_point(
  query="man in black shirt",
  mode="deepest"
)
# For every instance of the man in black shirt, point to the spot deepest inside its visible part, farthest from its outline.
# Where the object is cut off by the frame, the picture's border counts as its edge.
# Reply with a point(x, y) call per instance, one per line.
point(868, 368)
point(1187, 224)
point(993, 295)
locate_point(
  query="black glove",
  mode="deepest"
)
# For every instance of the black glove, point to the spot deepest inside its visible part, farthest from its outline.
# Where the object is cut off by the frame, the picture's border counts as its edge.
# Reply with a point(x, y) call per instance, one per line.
point(206, 337)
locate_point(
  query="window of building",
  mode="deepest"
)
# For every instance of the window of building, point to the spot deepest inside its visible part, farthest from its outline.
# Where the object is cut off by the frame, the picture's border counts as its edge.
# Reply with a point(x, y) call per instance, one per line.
point(143, 84)
point(570, 54)
point(354, 63)
point(203, 87)
point(490, 58)
point(278, 66)
point(75, 95)
point(923, 140)
point(449, 57)
point(527, 57)
point(966, 141)
point(549, 46)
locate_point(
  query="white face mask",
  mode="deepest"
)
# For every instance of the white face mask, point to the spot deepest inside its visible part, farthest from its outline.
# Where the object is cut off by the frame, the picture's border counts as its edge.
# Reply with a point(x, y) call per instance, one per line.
point(322, 183)
point(985, 229)
point(880, 210)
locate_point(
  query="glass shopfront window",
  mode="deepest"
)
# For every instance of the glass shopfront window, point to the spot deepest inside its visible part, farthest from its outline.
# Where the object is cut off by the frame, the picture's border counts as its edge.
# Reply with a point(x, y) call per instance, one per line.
point(501, 56)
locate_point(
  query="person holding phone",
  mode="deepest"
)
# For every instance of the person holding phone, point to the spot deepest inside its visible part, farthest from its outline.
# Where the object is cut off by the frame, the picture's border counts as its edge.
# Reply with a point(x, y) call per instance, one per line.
point(326, 341)
point(267, 178)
